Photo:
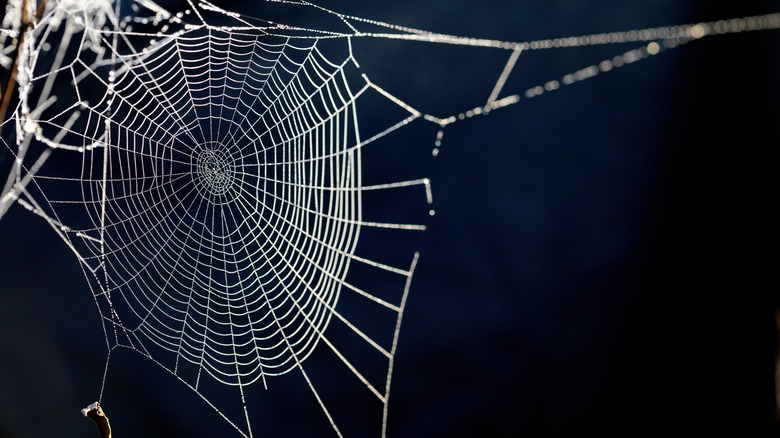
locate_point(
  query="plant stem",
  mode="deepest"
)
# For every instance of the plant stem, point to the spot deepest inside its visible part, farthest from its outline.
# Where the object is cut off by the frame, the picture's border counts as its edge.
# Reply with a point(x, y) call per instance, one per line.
point(95, 412)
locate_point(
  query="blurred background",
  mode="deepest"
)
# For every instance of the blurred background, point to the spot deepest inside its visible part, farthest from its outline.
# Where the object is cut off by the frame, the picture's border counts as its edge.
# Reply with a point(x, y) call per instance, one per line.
point(601, 258)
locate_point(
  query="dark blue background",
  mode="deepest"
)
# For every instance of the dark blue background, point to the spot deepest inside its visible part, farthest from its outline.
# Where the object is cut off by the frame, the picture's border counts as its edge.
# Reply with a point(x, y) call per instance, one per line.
point(602, 257)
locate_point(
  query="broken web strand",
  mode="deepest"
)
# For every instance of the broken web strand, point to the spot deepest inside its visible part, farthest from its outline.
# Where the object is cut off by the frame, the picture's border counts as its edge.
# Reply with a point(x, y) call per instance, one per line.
point(97, 259)
point(659, 39)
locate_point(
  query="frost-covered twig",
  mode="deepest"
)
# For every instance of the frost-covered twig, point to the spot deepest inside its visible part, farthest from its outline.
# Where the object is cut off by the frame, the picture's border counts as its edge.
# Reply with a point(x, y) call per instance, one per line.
point(96, 414)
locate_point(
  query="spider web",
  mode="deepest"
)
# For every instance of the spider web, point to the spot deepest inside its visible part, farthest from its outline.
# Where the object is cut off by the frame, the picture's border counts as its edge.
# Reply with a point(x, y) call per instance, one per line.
point(217, 163)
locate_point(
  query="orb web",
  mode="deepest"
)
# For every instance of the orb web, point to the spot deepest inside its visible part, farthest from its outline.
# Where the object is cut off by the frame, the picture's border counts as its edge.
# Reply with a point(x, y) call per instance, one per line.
point(211, 183)
point(231, 209)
